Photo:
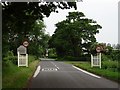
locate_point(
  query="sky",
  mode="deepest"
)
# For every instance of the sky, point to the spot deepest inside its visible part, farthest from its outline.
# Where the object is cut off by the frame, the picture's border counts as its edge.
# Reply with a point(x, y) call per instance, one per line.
point(105, 12)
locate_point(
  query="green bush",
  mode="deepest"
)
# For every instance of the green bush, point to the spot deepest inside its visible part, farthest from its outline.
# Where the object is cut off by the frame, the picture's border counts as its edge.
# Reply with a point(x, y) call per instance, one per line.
point(111, 65)
point(31, 58)
point(71, 58)
point(52, 56)
point(9, 58)
point(115, 55)
point(105, 57)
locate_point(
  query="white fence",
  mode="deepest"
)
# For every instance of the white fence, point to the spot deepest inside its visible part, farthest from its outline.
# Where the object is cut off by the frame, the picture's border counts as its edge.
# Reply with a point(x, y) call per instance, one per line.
point(96, 60)
point(22, 60)
point(22, 56)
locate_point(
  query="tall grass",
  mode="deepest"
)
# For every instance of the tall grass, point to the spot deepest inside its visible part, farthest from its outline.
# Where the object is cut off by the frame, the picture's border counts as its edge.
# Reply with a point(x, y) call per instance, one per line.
point(17, 77)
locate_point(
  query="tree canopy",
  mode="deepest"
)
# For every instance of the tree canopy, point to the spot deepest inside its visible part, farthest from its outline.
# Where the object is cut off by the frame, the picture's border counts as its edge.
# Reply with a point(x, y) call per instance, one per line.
point(24, 21)
point(75, 35)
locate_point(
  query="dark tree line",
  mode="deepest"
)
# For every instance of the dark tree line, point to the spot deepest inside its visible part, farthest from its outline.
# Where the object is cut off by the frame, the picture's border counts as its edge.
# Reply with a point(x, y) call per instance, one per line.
point(24, 21)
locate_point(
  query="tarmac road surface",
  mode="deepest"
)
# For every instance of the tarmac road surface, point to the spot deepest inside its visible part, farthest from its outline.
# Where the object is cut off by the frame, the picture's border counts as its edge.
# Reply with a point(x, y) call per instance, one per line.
point(57, 74)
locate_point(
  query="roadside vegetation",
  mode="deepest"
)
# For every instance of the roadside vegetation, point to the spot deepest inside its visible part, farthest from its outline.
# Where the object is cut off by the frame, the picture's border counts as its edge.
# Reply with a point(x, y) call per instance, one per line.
point(110, 69)
point(18, 77)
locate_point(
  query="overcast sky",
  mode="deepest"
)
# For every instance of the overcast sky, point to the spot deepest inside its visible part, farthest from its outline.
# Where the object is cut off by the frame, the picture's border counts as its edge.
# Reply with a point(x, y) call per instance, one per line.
point(105, 12)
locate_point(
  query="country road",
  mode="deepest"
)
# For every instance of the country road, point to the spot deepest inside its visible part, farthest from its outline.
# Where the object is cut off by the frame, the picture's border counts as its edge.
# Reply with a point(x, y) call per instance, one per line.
point(57, 74)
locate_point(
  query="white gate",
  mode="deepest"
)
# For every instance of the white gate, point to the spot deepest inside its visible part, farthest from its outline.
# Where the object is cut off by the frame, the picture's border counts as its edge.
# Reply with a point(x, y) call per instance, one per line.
point(22, 60)
point(22, 56)
point(96, 60)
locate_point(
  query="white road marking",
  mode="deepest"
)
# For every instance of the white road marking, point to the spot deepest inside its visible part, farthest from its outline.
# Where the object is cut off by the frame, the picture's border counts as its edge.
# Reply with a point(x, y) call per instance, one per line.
point(87, 72)
point(55, 65)
point(49, 69)
point(37, 71)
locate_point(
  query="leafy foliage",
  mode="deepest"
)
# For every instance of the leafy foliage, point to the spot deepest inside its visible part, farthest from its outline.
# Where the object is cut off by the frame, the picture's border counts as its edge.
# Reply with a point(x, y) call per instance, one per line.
point(9, 58)
point(75, 35)
point(52, 53)
point(23, 21)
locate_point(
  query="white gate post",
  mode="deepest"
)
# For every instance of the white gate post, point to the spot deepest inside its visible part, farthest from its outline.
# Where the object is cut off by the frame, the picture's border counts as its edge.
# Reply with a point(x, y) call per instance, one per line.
point(91, 60)
point(18, 58)
point(26, 60)
point(100, 59)
point(97, 59)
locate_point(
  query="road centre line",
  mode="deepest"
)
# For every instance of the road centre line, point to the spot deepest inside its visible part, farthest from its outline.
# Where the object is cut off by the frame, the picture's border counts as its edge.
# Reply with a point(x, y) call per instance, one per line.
point(86, 72)
point(37, 71)
point(55, 65)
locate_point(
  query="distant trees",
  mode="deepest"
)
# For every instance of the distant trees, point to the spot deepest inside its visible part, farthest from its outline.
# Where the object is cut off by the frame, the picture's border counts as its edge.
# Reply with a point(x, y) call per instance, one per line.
point(113, 52)
point(75, 35)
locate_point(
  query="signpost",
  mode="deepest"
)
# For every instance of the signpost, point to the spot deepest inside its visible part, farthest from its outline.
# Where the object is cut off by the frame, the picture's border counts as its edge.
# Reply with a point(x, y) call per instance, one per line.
point(25, 43)
point(96, 59)
point(46, 52)
point(98, 49)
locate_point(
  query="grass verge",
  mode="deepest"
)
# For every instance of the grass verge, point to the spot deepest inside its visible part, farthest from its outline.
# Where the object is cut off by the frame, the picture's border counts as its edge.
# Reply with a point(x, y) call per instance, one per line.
point(107, 73)
point(17, 77)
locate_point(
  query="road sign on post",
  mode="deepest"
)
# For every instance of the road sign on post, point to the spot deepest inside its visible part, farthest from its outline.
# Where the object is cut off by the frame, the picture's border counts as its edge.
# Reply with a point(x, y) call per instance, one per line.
point(46, 52)
point(22, 56)
point(98, 49)
point(25, 43)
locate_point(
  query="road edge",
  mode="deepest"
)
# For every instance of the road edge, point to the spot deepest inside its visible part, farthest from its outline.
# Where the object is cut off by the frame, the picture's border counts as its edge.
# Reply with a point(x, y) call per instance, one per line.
point(86, 72)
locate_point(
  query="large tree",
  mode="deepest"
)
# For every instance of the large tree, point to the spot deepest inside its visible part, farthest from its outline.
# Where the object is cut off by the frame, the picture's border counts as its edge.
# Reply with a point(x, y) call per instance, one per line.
point(38, 39)
point(75, 35)
point(18, 19)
